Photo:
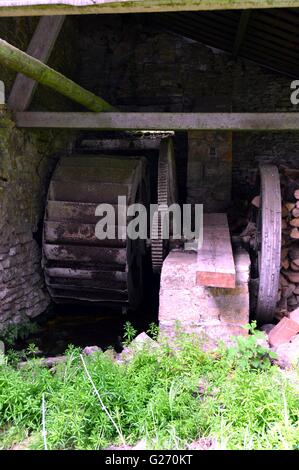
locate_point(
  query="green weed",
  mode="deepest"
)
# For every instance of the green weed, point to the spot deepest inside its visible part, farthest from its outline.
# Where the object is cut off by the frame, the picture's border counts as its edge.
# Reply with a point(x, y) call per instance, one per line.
point(13, 332)
point(169, 396)
point(129, 333)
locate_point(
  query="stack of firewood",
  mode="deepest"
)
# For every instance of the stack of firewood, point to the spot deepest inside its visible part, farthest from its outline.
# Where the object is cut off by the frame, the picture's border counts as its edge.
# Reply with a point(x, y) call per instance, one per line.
point(288, 295)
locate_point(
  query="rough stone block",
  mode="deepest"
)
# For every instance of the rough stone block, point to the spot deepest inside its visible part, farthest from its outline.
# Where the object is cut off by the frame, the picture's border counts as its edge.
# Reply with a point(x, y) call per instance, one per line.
point(283, 332)
point(216, 313)
point(288, 354)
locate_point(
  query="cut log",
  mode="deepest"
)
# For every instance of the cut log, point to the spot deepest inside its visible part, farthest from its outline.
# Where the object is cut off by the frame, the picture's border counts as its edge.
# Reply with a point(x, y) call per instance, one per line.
point(284, 211)
point(215, 262)
point(281, 309)
point(294, 266)
point(284, 224)
point(292, 301)
point(292, 173)
point(285, 264)
point(294, 233)
point(292, 276)
point(293, 252)
point(284, 253)
point(285, 238)
point(296, 194)
point(256, 201)
point(21, 62)
point(283, 281)
point(290, 206)
point(288, 291)
point(294, 222)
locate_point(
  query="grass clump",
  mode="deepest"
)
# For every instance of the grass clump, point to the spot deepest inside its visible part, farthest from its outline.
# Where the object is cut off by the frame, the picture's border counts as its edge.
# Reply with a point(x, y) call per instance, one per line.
point(169, 396)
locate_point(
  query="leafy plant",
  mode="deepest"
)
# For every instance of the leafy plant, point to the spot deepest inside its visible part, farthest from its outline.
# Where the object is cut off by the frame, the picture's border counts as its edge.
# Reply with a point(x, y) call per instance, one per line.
point(129, 333)
point(153, 331)
point(32, 350)
point(13, 332)
point(248, 351)
point(168, 396)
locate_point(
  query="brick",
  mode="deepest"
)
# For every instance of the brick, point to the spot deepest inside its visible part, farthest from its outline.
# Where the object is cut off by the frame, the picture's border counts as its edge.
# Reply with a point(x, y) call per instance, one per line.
point(283, 332)
point(294, 315)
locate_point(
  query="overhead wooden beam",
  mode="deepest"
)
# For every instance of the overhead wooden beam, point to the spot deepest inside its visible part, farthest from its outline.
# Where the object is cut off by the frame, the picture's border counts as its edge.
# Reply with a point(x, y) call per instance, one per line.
point(40, 48)
point(76, 7)
point(242, 27)
point(161, 121)
point(21, 62)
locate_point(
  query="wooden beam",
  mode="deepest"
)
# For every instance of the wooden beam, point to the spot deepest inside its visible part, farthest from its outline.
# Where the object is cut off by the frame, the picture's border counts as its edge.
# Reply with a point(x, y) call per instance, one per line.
point(76, 7)
point(40, 48)
point(161, 121)
point(242, 27)
point(215, 266)
point(21, 62)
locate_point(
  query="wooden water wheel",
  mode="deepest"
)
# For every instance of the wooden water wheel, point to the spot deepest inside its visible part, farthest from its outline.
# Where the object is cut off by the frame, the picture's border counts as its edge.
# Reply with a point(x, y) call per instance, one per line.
point(78, 266)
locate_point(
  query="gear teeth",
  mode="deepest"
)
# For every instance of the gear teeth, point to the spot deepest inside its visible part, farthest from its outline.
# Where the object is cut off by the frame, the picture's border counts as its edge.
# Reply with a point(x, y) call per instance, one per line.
point(166, 181)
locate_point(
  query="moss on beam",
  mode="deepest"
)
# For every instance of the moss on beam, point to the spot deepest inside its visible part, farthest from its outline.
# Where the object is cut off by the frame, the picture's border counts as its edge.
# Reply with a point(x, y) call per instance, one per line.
point(75, 7)
point(21, 62)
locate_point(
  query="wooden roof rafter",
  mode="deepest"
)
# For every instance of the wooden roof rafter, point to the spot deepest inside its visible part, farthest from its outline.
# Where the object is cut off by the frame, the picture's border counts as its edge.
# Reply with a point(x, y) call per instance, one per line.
point(242, 28)
point(36, 70)
point(40, 47)
point(76, 7)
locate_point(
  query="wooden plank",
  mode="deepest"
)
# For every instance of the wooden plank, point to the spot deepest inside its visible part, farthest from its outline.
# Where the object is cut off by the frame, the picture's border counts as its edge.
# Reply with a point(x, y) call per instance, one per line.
point(19, 61)
point(242, 27)
point(78, 233)
point(97, 193)
point(215, 262)
point(40, 47)
point(76, 7)
point(80, 212)
point(101, 297)
point(161, 121)
point(86, 254)
point(95, 274)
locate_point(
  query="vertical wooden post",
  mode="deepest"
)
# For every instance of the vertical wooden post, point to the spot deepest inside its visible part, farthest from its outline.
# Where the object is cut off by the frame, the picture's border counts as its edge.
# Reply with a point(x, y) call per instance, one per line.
point(40, 47)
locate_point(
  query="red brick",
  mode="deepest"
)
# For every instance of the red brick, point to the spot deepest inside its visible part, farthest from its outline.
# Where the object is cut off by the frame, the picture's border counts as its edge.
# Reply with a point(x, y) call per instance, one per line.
point(283, 332)
point(294, 315)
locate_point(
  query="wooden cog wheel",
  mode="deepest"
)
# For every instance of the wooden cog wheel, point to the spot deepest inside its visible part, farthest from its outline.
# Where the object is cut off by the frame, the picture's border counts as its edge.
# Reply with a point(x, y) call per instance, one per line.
point(167, 195)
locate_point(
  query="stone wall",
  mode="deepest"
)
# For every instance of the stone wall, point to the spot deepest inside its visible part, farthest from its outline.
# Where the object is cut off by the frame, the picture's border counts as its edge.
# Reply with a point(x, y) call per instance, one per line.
point(27, 159)
point(209, 175)
point(136, 66)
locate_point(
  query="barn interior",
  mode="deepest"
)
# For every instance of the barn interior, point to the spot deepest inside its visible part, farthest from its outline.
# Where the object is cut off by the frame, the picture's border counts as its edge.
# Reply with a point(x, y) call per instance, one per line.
point(225, 78)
